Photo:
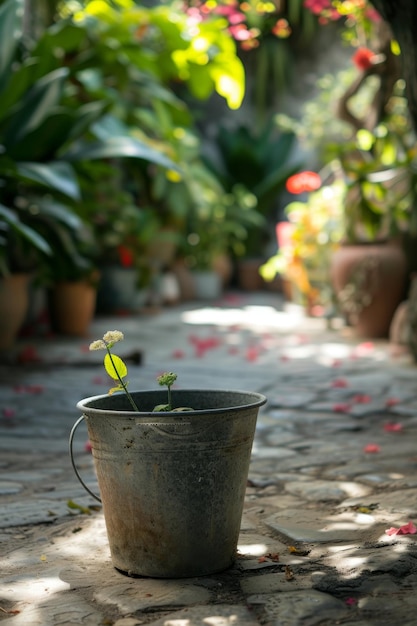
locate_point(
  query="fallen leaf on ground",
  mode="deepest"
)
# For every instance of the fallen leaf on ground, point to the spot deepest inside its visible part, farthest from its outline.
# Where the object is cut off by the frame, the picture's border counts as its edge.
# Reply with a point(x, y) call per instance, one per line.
point(79, 507)
point(10, 611)
point(289, 574)
point(297, 551)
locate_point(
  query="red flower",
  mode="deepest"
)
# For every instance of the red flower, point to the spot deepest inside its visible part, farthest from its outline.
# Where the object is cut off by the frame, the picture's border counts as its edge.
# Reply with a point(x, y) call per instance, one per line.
point(363, 58)
point(126, 256)
point(304, 181)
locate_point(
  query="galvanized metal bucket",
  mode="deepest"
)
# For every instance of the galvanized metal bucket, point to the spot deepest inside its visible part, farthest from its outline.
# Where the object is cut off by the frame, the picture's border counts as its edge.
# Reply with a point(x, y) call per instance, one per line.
point(172, 485)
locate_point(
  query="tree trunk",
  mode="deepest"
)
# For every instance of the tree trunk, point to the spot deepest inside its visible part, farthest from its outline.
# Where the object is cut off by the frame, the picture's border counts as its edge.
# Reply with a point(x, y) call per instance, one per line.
point(402, 17)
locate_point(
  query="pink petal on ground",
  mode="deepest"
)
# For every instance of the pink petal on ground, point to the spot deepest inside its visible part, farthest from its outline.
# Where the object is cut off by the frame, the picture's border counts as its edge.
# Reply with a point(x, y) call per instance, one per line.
point(233, 350)
point(252, 354)
point(341, 407)
point(391, 402)
point(35, 389)
point(284, 357)
point(362, 398)
point(372, 448)
point(363, 349)
point(351, 601)
point(393, 427)
point(336, 363)
point(178, 354)
point(99, 380)
point(339, 382)
point(8, 412)
point(29, 354)
point(406, 529)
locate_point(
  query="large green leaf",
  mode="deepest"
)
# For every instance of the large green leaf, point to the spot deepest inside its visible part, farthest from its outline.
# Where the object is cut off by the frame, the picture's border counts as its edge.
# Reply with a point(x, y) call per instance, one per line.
point(11, 16)
point(36, 106)
point(18, 84)
point(44, 143)
point(29, 234)
point(119, 147)
point(57, 175)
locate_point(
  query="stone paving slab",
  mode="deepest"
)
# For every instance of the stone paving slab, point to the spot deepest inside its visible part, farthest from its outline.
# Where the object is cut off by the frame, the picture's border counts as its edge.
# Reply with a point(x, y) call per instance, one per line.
point(333, 467)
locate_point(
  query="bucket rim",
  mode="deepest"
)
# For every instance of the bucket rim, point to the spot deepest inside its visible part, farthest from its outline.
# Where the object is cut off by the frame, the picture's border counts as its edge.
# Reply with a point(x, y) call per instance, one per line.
point(255, 400)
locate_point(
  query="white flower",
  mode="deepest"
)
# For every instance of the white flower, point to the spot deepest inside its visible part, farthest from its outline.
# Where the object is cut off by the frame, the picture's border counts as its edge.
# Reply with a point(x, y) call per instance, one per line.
point(112, 336)
point(97, 345)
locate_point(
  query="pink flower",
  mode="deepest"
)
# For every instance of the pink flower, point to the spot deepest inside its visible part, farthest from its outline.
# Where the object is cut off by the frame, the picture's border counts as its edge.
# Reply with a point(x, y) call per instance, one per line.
point(406, 529)
point(372, 448)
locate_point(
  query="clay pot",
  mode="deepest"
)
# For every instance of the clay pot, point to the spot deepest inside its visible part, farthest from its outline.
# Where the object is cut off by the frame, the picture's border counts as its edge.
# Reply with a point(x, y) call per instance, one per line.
point(72, 307)
point(369, 281)
point(14, 303)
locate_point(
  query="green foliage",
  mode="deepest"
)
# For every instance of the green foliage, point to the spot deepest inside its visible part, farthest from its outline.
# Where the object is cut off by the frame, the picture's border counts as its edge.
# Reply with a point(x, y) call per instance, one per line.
point(256, 164)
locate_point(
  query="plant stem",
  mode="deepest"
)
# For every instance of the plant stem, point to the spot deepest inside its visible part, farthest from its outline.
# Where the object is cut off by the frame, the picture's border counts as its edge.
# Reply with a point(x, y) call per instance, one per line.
point(123, 384)
point(169, 397)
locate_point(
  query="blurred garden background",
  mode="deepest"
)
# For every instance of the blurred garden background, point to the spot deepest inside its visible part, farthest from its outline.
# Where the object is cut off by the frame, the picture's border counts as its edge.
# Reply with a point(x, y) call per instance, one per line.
point(146, 146)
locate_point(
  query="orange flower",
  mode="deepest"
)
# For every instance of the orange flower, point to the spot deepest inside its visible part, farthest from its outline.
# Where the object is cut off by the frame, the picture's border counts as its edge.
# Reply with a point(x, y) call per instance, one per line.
point(304, 181)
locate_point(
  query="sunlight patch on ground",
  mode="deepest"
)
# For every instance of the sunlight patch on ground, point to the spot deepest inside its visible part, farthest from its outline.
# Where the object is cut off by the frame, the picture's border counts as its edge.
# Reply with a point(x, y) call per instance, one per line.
point(253, 549)
point(264, 317)
point(30, 589)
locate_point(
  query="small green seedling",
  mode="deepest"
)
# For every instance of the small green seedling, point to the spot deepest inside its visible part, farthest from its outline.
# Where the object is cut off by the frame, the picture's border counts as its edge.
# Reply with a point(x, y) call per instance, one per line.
point(117, 370)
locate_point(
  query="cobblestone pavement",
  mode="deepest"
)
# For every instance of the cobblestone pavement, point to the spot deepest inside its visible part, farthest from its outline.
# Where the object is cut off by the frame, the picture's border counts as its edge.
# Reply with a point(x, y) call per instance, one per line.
point(333, 467)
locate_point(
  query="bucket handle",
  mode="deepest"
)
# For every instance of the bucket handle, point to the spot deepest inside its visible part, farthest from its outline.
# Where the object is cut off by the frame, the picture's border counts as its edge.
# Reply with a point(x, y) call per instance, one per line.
point(71, 452)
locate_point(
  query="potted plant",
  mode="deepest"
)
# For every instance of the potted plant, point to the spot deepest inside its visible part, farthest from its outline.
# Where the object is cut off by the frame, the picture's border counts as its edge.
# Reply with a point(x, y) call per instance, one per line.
point(257, 164)
point(374, 147)
point(172, 472)
point(21, 247)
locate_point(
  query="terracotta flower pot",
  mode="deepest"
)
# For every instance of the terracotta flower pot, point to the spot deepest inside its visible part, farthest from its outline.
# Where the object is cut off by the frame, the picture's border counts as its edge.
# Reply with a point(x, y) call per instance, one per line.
point(14, 303)
point(369, 282)
point(72, 307)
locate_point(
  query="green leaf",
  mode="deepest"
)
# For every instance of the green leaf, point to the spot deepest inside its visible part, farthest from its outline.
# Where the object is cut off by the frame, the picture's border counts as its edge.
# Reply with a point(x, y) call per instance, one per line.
point(36, 106)
point(24, 231)
point(120, 147)
point(115, 367)
point(11, 17)
point(57, 175)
